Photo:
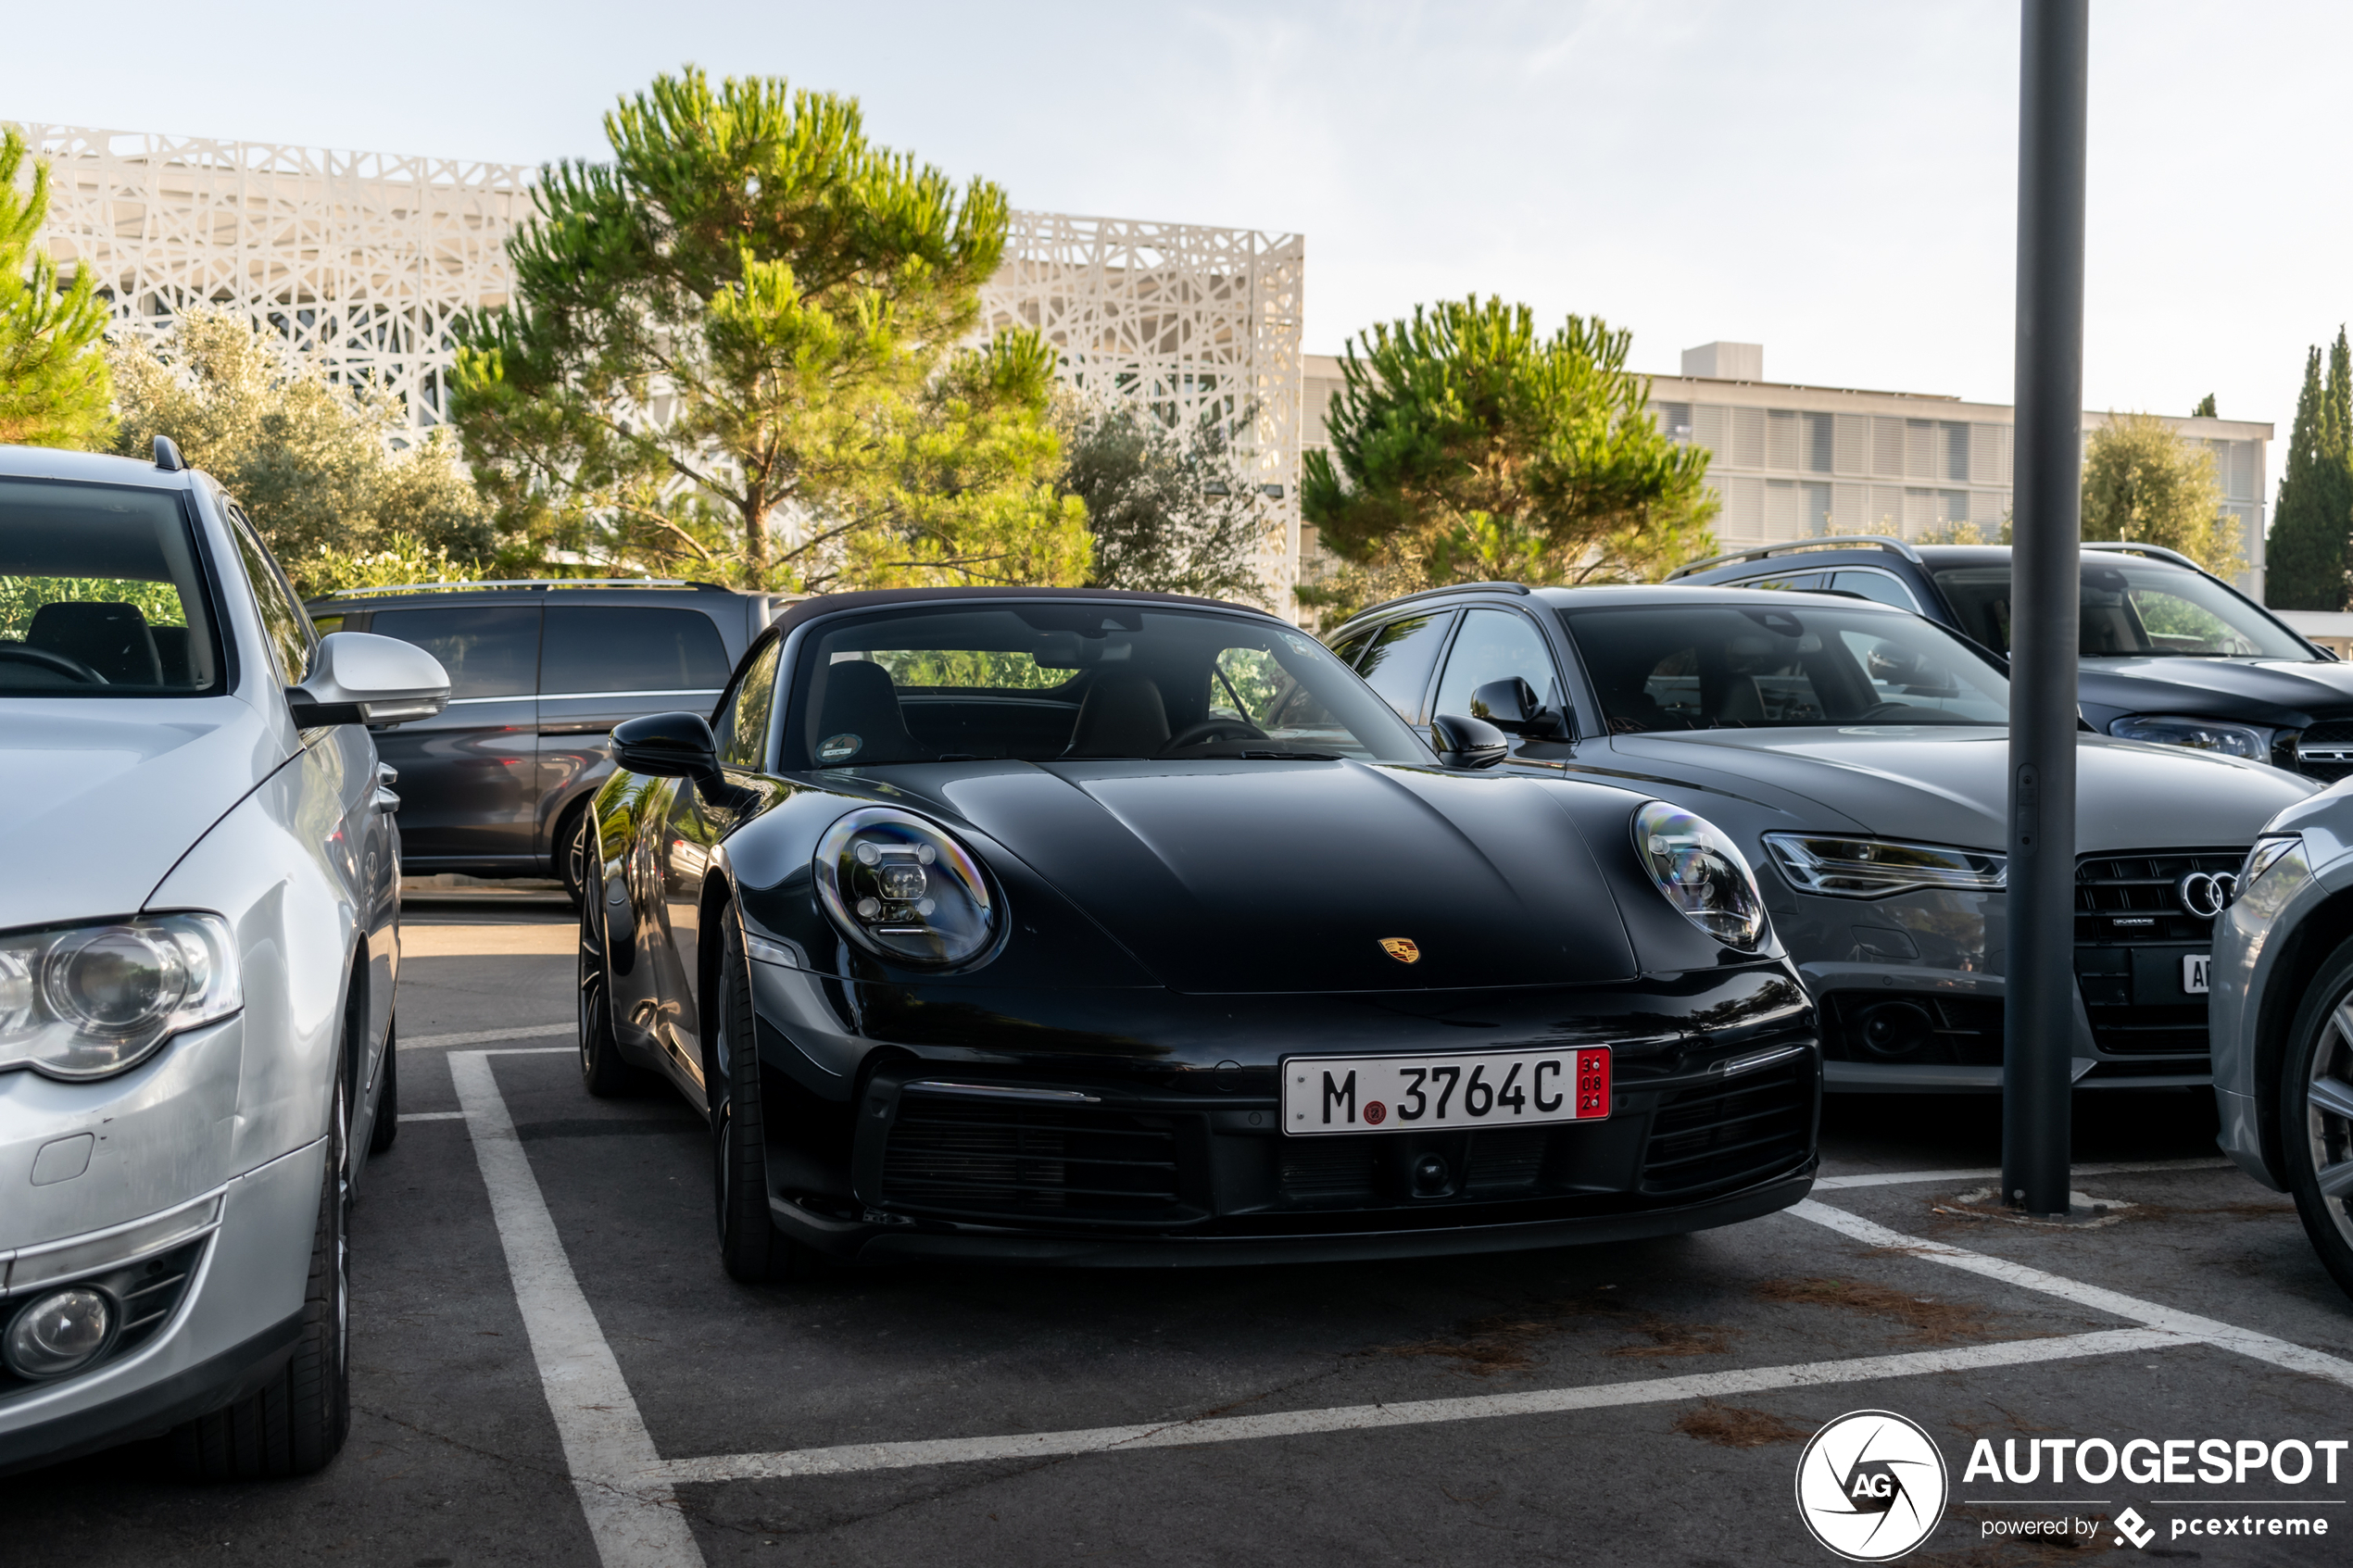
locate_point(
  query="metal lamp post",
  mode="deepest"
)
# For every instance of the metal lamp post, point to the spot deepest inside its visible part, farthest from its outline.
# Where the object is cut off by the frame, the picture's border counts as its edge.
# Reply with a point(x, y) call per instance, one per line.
point(2039, 1021)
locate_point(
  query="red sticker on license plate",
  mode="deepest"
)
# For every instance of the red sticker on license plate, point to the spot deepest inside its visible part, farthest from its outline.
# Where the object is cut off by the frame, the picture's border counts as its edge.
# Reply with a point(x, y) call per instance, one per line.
point(1592, 1083)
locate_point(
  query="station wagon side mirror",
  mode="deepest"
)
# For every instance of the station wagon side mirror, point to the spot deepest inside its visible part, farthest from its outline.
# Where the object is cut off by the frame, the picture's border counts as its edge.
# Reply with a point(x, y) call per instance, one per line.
point(1466, 743)
point(666, 746)
point(1511, 706)
point(358, 678)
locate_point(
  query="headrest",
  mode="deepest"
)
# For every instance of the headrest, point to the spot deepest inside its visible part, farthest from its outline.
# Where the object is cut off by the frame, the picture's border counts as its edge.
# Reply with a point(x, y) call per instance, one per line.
point(861, 721)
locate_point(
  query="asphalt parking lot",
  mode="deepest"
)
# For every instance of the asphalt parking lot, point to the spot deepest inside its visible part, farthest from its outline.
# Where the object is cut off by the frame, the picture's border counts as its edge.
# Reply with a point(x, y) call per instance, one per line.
point(538, 1298)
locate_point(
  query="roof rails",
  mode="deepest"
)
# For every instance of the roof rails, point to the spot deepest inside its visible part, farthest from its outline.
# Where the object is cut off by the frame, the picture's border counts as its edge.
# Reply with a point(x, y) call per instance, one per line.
point(2127, 547)
point(1521, 588)
point(529, 583)
point(1827, 542)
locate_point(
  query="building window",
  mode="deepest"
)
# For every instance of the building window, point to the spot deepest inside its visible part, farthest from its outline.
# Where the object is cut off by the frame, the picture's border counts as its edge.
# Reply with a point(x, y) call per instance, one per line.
point(1818, 442)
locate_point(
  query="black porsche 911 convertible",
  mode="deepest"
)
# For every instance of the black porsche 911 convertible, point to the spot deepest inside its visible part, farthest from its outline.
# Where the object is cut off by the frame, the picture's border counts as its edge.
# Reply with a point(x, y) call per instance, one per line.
point(1075, 927)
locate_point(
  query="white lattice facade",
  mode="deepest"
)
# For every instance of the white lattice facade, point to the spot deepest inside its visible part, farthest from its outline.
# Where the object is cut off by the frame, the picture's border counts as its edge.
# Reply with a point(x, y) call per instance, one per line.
point(363, 260)
point(360, 259)
point(1194, 322)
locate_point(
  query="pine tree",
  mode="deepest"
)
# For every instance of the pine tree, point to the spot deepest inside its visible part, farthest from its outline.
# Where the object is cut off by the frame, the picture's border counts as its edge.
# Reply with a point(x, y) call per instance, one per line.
point(53, 371)
point(2204, 409)
point(1465, 446)
point(2305, 565)
point(732, 351)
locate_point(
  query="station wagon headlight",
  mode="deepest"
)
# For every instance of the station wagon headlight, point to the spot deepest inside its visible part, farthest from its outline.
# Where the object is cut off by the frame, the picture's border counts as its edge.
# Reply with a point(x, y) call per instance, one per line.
point(1702, 873)
point(1873, 867)
point(903, 888)
point(94, 999)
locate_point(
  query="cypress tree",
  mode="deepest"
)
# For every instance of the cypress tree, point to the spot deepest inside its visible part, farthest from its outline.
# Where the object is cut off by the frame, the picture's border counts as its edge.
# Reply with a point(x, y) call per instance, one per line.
point(2305, 567)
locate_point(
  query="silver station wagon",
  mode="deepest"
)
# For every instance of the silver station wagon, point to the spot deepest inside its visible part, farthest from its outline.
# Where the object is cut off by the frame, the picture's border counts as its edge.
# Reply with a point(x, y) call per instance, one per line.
point(198, 943)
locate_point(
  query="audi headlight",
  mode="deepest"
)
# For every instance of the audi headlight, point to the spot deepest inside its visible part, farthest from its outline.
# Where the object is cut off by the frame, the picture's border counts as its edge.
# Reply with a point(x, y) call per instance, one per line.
point(1873, 867)
point(2199, 735)
point(902, 889)
point(96, 999)
point(1702, 873)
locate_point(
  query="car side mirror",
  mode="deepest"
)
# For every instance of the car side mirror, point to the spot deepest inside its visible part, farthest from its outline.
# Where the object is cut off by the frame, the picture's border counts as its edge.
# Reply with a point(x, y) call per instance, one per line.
point(1463, 742)
point(358, 678)
point(1511, 706)
point(666, 746)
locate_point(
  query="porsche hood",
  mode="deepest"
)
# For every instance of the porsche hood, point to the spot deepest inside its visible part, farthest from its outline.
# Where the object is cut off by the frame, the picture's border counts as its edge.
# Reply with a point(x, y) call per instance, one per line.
point(1262, 875)
point(1943, 787)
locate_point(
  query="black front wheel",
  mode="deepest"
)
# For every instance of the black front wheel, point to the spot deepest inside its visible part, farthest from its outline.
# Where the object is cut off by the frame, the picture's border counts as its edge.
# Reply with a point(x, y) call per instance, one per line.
point(573, 853)
point(2316, 1115)
point(296, 1422)
point(750, 1246)
point(603, 1070)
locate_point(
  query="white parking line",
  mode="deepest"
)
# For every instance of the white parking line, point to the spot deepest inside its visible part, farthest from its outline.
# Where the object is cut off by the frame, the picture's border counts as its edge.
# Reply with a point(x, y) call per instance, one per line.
point(603, 1435)
point(1907, 1178)
point(2245, 1341)
point(851, 1457)
point(485, 1036)
point(432, 1116)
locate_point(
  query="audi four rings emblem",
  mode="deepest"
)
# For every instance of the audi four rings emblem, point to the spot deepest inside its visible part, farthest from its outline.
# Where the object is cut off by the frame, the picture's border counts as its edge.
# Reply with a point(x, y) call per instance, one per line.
point(2206, 894)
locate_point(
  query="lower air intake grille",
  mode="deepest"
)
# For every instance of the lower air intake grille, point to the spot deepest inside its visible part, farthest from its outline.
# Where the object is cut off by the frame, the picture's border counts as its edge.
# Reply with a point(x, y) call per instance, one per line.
point(1721, 1134)
point(2334, 741)
point(978, 1159)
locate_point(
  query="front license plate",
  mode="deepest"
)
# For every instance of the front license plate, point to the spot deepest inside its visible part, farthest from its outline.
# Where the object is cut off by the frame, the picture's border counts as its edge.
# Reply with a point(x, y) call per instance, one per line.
point(1412, 1093)
point(2194, 968)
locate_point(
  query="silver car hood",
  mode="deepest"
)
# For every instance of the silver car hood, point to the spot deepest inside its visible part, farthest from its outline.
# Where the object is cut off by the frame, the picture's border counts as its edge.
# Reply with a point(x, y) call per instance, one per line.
point(103, 798)
point(1949, 786)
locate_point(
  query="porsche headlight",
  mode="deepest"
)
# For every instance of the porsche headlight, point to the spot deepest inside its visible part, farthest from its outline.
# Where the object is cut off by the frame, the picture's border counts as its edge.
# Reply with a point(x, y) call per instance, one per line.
point(901, 887)
point(1873, 867)
point(96, 1000)
point(1702, 873)
point(2199, 735)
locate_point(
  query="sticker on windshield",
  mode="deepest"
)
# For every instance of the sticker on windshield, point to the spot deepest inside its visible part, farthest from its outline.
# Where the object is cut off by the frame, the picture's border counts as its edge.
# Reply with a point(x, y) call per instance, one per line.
point(838, 748)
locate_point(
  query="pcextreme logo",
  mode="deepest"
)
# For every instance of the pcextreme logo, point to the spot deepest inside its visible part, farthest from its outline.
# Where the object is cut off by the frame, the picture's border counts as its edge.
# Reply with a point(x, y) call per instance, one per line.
point(1871, 1485)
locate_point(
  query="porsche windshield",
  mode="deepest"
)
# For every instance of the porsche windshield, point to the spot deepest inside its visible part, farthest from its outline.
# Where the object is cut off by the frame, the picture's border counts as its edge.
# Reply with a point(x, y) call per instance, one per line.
point(2131, 609)
point(100, 594)
point(1093, 679)
point(1736, 666)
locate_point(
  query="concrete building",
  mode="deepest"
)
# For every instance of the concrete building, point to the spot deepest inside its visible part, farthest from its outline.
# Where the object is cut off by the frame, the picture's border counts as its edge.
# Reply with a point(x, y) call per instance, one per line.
point(363, 261)
point(1792, 462)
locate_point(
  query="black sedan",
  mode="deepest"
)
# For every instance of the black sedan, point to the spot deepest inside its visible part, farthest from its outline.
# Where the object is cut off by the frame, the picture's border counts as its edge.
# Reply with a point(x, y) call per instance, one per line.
point(1071, 926)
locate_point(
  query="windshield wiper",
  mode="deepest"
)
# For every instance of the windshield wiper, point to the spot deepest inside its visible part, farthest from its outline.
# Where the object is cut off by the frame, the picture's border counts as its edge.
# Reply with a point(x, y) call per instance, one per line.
point(1295, 756)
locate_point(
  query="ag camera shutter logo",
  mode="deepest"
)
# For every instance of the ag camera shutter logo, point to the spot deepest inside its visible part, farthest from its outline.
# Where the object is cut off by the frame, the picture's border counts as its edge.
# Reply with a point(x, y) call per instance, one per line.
point(1871, 1485)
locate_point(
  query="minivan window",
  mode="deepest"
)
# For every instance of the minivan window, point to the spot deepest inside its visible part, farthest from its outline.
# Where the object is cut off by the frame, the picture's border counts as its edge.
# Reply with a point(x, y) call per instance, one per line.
point(101, 594)
point(2130, 610)
point(613, 649)
point(491, 651)
point(1398, 661)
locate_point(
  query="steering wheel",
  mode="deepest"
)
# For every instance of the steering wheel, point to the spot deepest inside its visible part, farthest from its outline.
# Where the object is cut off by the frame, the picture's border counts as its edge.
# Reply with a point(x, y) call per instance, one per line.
point(1213, 729)
point(57, 663)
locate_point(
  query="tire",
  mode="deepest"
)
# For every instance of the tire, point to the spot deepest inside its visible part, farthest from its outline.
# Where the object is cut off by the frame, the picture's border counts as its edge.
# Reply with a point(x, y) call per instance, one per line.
point(603, 1072)
point(750, 1246)
point(296, 1422)
point(2316, 1115)
point(572, 852)
point(387, 1125)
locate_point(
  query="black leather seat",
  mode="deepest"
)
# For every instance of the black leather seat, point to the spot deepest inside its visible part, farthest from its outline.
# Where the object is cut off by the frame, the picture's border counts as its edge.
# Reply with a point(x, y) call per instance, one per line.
point(1123, 716)
point(861, 721)
point(110, 638)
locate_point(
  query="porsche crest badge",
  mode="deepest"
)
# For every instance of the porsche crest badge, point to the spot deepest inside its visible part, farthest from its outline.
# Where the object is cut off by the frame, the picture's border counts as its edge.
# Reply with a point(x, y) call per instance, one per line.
point(1401, 948)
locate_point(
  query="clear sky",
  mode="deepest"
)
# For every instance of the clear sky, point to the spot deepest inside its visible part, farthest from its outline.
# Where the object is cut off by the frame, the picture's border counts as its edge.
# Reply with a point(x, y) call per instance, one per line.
point(1834, 178)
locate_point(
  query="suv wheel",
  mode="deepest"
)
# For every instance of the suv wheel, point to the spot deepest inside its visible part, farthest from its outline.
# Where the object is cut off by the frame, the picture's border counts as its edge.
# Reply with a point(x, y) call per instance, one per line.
point(572, 852)
point(2316, 1115)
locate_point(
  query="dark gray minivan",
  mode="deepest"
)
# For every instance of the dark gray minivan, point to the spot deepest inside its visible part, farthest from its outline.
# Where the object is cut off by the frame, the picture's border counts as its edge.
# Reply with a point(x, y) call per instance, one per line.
point(539, 674)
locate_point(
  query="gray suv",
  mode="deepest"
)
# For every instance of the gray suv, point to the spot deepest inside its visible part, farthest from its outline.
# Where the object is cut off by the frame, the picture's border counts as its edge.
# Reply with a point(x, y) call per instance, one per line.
point(540, 671)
